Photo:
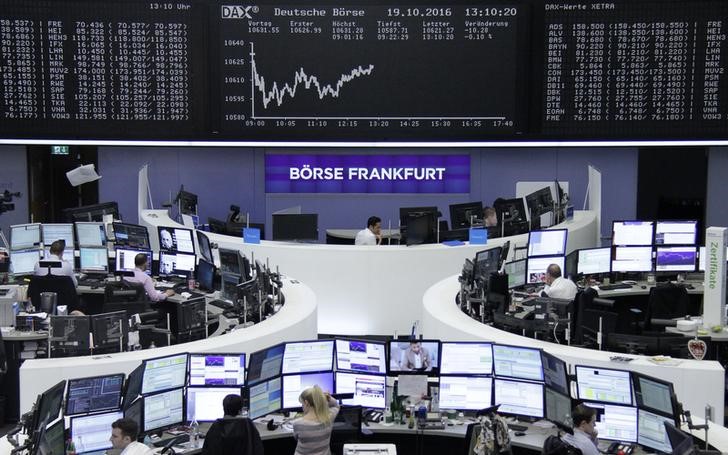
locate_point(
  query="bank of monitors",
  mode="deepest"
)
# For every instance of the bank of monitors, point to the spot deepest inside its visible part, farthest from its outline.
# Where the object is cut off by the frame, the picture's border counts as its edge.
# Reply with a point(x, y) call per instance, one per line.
point(605, 385)
point(94, 260)
point(23, 261)
point(462, 216)
point(466, 358)
point(632, 233)
point(204, 404)
point(681, 232)
point(517, 362)
point(369, 390)
point(536, 268)
point(131, 235)
point(594, 261)
point(294, 384)
point(632, 259)
point(308, 356)
point(265, 364)
point(547, 243)
point(519, 397)
point(516, 271)
point(125, 258)
point(675, 258)
point(361, 356)
point(414, 356)
point(265, 397)
point(205, 248)
point(25, 236)
point(555, 374)
point(164, 373)
point(53, 232)
point(223, 370)
point(90, 234)
point(163, 410)
point(94, 394)
point(173, 239)
point(91, 433)
point(296, 227)
point(465, 392)
point(486, 262)
point(176, 264)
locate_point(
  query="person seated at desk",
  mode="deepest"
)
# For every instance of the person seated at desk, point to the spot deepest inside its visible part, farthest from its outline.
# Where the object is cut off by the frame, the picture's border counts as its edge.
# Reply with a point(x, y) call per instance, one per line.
point(558, 287)
point(313, 430)
point(372, 235)
point(56, 254)
point(140, 263)
point(124, 433)
point(416, 358)
point(585, 432)
point(490, 217)
point(232, 434)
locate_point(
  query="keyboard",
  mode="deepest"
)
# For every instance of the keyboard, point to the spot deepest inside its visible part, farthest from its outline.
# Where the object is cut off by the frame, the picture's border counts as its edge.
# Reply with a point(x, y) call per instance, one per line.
point(222, 304)
point(517, 427)
point(91, 282)
point(612, 287)
point(431, 425)
point(181, 439)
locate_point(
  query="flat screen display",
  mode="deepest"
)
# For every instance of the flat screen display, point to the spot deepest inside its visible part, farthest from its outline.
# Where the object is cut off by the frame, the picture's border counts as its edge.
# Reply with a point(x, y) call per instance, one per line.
point(519, 398)
point(125, 260)
point(369, 390)
point(265, 398)
point(217, 369)
point(465, 392)
point(90, 234)
point(676, 232)
point(615, 423)
point(517, 362)
point(537, 266)
point(547, 243)
point(294, 384)
point(414, 356)
point(363, 356)
point(675, 258)
point(466, 358)
point(308, 356)
point(265, 364)
point(164, 373)
point(163, 409)
point(53, 232)
point(651, 431)
point(94, 260)
point(23, 262)
point(594, 261)
point(204, 404)
point(176, 264)
point(176, 239)
point(632, 259)
point(91, 433)
point(632, 233)
point(601, 384)
point(24, 236)
point(516, 271)
point(94, 394)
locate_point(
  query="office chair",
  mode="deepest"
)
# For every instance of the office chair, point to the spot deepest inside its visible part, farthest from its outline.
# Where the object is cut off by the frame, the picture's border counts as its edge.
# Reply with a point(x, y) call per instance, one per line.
point(216, 226)
point(61, 285)
point(666, 302)
point(553, 445)
point(582, 301)
point(346, 428)
point(124, 291)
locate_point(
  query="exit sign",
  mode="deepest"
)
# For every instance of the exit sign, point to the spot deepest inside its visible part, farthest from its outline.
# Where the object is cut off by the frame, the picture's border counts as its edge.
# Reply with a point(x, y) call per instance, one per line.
point(60, 150)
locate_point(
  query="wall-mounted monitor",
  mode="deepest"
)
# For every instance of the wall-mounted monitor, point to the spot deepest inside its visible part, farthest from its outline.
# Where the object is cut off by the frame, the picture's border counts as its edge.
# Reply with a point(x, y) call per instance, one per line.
point(466, 358)
point(537, 266)
point(174, 239)
point(680, 232)
point(632, 233)
point(594, 261)
point(675, 258)
point(362, 356)
point(547, 243)
point(467, 393)
point(519, 398)
point(632, 259)
point(369, 390)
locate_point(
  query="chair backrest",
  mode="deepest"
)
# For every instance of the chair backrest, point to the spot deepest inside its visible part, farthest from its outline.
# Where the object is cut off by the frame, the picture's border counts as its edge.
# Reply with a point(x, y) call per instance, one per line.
point(60, 284)
point(553, 445)
point(124, 291)
point(667, 302)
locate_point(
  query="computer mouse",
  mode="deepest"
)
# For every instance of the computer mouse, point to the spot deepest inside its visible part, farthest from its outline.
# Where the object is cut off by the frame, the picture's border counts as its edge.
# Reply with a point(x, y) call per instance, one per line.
point(643, 286)
point(185, 295)
point(519, 433)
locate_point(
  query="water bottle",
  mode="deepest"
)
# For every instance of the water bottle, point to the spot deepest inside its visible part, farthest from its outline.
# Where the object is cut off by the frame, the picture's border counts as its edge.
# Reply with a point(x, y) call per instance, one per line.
point(194, 433)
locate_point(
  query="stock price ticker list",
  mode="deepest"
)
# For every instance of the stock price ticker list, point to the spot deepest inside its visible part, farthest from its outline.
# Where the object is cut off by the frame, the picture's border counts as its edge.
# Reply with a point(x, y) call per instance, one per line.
point(369, 72)
point(97, 68)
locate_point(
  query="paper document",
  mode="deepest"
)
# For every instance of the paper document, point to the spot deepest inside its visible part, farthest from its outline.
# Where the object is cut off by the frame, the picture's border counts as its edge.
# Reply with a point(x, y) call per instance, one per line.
point(82, 174)
point(412, 385)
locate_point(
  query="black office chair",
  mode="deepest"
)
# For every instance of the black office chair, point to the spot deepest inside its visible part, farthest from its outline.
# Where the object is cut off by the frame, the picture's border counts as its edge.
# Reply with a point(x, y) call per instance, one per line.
point(553, 445)
point(216, 226)
point(666, 302)
point(61, 285)
point(346, 428)
point(124, 291)
point(582, 301)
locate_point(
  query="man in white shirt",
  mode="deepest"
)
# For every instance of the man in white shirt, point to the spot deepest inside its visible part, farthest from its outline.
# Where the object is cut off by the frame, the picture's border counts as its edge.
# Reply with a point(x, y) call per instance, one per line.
point(123, 436)
point(372, 235)
point(558, 287)
point(585, 433)
point(56, 254)
point(140, 264)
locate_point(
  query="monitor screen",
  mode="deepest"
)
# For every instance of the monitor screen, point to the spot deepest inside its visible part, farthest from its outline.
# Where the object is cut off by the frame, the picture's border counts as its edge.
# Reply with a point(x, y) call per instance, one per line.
point(653, 394)
point(50, 404)
point(53, 441)
point(133, 386)
point(265, 364)
point(558, 408)
point(615, 423)
point(415, 356)
point(536, 272)
point(53, 232)
point(675, 258)
point(308, 356)
point(71, 333)
point(91, 433)
point(24, 236)
point(682, 443)
point(554, 373)
point(632, 259)
point(125, 260)
point(517, 362)
point(467, 393)
point(511, 211)
point(90, 234)
point(229, 285)
point(651, 431)
point(421, 229)
point(205, 275)
point(135, 413)
point(229, 261)
point(23, 262)
point(676, 232)
point(303, 227)
point(594, 261)
point(204, 404)
point(369, 390)
point(294, 384)
point(632, 233)
point(463, 215)
point(131, 235)
point(516, 272)
point(176, 239)
point(519, 398)
point(217, 369)
point(540, 202)
point(94, 260)
point(466, 358)
point(265, 398)
point(547, 243)
point(164, 373)
point(164, 410)
point(600, 384)
point(205, 249)
point(98, 393)
point(176, 264)
point(364, 356)
point(486, 262)
point(405, 213)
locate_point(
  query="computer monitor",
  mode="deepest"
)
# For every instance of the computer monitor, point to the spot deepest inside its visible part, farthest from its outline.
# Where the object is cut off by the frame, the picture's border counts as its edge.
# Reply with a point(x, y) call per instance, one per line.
point(229, 287)
point(466, 358)
point(61, 231)
point(294, 384)
point(135, 412)
point(217, 370)
point(414, 356)
point(131, 235)
point(52, 440)
point(70, 333)
point(675, 258)
point(421, 229)
point(405, 213)
point(125, 258)
point(187, 202)
point(133, 386)
point(99, 393)
point(632, 259)
point(651, 431)
point(654, 394)
point(516, 271)
point(632, 233)
point(462, 215)
point(614, 422)
point(23, 262)
point(297, 228)
point(205, 248)
point(555, 373)
point(109, 330)
point(176, 264)
point(547, 243)
point(511, 211)
point(486, 262)
point(602, 384)
point(517, 362)
point(174, 239)
point(191, 315)
point(230, 261)
point(93, 212)
point(204, 404)
point(91, 433)
point(466, 393)
point(49, 405)
point(25, 236)
point(94, 259)
point(369, 390)
point(682, 443)
point(537, 266)
point(540, 202)
point(679, 232)
point(362, 356)
point(164, 373)
point(163, 410)
point(308, 356)
point(265, 364)
point(205, 275)
point(594, 261)
point(265, 398)
point(90, 234)
point(519, 398)
point(558, 408)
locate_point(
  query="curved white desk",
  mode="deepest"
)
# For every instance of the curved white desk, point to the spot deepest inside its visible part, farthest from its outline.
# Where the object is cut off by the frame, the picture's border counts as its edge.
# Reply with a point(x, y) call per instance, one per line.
point(697, 383)
point(296, 320)
point(372, 290)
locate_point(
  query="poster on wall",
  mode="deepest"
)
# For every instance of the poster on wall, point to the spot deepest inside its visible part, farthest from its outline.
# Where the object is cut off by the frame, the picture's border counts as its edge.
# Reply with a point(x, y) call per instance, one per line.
point(415, 174)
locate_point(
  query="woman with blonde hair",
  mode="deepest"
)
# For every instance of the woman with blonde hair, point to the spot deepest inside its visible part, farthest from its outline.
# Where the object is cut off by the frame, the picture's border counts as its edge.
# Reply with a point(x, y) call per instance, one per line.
point(313, 430)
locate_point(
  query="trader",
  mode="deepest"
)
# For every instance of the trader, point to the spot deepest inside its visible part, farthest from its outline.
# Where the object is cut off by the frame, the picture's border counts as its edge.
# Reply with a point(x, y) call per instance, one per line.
point(372, 235)
point(232, 434)
point(56, 254)
point(491, 218)
point(124, 433)
point(140, 263)
point(558, 287)
point(585, 432)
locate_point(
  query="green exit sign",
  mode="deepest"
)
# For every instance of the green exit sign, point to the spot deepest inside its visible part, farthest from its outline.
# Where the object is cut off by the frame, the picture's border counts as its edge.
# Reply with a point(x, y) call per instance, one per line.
point(60, 150)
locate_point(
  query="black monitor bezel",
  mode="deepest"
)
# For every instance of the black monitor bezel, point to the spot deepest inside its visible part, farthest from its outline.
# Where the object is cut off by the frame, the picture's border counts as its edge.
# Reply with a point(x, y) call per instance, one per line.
point(137, 372)
point(566, 240)
point(656, 255)
point(181, 273)
point(614, 255)
point(204, 354)
point(250, 358)
point(434, 371)
point(363, 373)
point(272, 378)
point(539, 350)
point(336, 355)
point(211, 288)
point(639, 413)
point(187, 395)
point(695, 236)
point(578, 257)
point(205, 246)
point(565, 391)
point(456, 208)
point(592, 403)
point(477, 274)
point(464, 373)
point(525, 274)
point(176, 244)
point(116, 239)
point(558, 424)
point(308, 220)
point(578, 389)
point(637, 392)
point(148, 253)
point(41, 402)
point(89, 271)
point(76, 418)
point(99, 225)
